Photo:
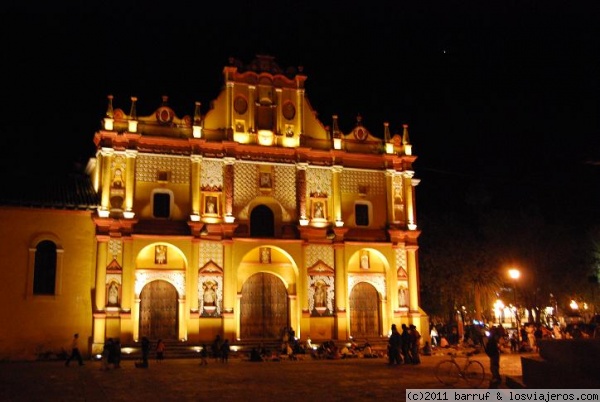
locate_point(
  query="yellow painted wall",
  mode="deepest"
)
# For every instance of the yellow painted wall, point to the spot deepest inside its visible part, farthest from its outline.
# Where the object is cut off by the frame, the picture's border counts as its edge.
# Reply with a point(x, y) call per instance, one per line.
point(45, 323)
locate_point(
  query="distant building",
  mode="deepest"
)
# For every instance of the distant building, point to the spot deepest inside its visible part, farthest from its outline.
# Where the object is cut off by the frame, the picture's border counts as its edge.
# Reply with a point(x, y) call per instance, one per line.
point(240, 222)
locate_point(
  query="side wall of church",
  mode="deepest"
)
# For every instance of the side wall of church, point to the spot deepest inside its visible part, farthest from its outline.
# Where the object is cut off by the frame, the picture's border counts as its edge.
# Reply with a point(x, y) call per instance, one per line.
point(34, 324)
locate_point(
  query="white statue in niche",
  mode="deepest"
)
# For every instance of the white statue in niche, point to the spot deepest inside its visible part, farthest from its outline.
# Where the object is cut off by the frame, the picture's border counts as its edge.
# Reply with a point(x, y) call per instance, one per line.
point(320, 294)
point(113, 294)
point(364, 260)
point(402, 296)
point(210, 294)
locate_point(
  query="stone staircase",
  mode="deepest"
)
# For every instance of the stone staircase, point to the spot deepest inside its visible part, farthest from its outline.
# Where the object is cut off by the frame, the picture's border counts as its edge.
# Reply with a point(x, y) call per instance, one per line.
point(239, 349)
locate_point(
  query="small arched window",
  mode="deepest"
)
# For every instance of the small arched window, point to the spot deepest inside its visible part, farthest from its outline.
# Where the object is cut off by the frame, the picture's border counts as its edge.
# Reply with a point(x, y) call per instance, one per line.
point(44, 275)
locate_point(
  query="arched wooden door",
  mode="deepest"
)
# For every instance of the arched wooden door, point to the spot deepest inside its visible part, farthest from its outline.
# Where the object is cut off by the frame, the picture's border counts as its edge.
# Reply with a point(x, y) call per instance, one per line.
point(365, 321)
point(263, 307)
point(158, 311)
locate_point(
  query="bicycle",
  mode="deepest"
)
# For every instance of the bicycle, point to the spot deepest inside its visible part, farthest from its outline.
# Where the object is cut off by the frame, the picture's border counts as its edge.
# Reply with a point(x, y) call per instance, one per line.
point(449, 371)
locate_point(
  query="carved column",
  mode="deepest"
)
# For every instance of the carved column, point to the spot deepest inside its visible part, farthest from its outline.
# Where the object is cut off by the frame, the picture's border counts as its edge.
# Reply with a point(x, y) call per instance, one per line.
point(195, 183)
point(101, 259)
point(409, 199)
point(183, 314)
point(130, 179)
point(229, 107)
point(229, 314)
point(278, 127)
point(228, 184)
point(128, 276)
point(300, 102)
point(341, 291)
point(251, 108)
point(301, 189)
point(100, 293)
point(389, 194)
point(337, 192)
point(413, 280)
point(414, 183)
point(107, 157)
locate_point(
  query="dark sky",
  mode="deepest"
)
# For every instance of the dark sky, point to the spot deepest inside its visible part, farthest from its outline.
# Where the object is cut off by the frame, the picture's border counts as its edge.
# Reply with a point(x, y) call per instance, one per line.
point(494, 92)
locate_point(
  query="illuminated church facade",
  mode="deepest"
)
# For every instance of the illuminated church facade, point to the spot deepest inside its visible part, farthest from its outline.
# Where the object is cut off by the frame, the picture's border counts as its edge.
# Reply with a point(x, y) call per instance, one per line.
point(239, 222)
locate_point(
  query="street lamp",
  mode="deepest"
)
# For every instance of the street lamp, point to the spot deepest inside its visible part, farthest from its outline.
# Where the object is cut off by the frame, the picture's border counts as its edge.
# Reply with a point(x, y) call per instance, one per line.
point(515, 274)
point(499, 311)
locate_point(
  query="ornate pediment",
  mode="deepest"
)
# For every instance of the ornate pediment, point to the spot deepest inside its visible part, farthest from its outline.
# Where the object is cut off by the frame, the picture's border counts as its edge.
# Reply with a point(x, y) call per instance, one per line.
point(402, 274)
point(210, 268)
point(320, 268)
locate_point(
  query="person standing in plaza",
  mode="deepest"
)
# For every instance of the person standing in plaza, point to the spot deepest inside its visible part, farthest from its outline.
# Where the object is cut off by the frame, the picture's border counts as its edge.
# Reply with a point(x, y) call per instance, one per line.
point(415, 343)
point(394, 347)
point(405, 344)
point(216, 347)
point(75, 353)
point(107, 354)
point(117, 353)
point(160, 350)
point(225, 351)
point(492, 349)
point(145, 351)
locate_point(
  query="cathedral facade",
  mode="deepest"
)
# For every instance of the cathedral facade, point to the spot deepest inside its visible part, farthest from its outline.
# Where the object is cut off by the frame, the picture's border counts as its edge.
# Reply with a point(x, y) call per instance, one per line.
point(239, 222)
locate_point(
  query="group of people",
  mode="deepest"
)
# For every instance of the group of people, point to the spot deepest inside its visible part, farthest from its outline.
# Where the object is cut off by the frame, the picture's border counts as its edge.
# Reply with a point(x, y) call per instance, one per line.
point(146, 346)
point(403, 347)
point(220, 350)
point(111, 354)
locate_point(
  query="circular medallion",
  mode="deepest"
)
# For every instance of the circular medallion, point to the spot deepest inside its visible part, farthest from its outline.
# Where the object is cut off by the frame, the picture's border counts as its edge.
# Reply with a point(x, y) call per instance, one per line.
point(360, 134)
point(240, 105)
point(289, 110)
point(164, 115)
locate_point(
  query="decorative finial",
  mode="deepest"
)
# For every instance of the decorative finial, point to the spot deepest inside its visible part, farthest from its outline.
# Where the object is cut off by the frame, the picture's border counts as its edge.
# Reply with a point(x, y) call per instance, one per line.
point(386, 132)
point(405, 139)
point(197, 116)
point(336, 129)
point(133, 112)
point(109, 111)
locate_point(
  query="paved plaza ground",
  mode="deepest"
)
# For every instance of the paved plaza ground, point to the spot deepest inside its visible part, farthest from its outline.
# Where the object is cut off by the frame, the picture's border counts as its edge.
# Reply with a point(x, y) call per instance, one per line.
point(238, 380)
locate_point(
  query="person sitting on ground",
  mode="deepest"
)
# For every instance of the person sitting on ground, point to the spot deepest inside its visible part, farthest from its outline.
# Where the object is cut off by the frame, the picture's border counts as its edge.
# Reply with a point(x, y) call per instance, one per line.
point(368, 352)
point(427, 349)
point(347, 352)
point(204, 355)
point(255, 355)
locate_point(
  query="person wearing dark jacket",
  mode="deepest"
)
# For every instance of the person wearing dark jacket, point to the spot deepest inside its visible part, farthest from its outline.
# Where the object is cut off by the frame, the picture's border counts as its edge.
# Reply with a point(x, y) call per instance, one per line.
point(145, 351)
point(415, 343)
point(394, 347)
point(492, 349)
point(405, 335)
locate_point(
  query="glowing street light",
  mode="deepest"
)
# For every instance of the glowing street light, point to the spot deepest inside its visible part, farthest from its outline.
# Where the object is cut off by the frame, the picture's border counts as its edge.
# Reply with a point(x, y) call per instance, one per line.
point(574, 305)
point(499, 310)
point(515, 274)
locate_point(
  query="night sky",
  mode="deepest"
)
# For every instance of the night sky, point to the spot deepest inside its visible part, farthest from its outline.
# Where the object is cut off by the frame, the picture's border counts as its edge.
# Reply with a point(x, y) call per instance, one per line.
point(494, 92)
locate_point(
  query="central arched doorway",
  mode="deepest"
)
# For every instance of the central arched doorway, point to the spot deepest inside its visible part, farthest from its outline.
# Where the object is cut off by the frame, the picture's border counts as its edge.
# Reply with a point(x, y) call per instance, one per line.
point(158, 311)
point(365, 321)
point(263, 307)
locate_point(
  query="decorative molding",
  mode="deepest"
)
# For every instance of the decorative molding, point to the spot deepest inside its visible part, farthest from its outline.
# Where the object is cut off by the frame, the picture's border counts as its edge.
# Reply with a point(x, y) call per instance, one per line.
point(314, 253)
point(352, 179)
point(148, 166)
point(377, 280)
point(175, 278)
point(211, 251)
